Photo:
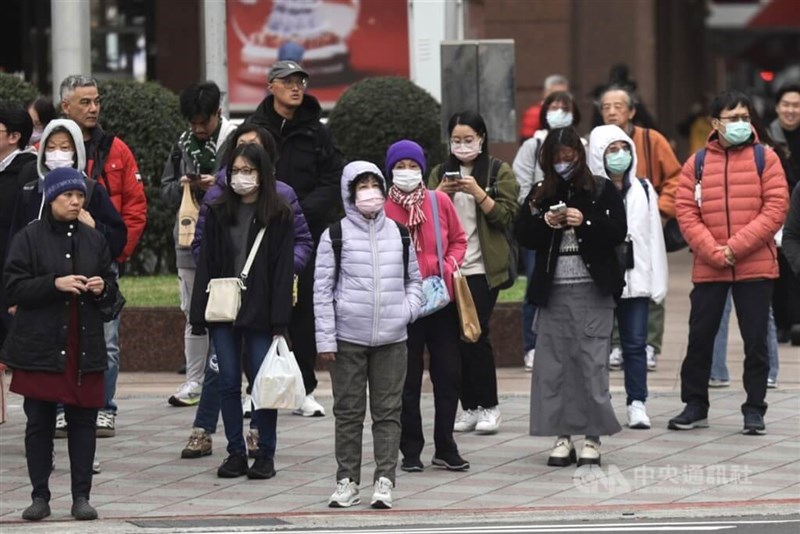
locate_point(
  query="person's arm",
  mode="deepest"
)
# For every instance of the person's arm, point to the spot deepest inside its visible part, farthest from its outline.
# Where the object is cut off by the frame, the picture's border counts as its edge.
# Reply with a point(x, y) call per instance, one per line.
point(108, 221)
point(659, 277)
point(110, 287)
point(670, 170)
point(607, 225)
point(791, 233)
point(282, 276)
point(324, 286)
point(321, 203)
point(24, 287)
point(530, 230)
point(171, 190)
point(134, 202)
point(197, 310)
point(505, 206)
point(413, 285)
point(690, 220)
point(303, 242)
point(524, 167)
point(456, 246)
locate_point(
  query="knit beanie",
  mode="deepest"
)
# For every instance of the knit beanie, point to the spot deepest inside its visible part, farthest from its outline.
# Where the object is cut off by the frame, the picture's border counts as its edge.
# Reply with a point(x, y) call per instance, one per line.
point(404, 149)
point(61, 180)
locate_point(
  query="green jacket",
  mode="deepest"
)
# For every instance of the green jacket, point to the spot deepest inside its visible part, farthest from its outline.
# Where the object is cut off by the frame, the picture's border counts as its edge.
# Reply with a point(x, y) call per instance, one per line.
point(492, 226)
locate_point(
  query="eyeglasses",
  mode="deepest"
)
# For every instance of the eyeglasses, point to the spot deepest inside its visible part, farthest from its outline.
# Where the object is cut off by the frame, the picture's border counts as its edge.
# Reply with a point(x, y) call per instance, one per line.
point(242, 170)
point(300, 83)
point(735, 118)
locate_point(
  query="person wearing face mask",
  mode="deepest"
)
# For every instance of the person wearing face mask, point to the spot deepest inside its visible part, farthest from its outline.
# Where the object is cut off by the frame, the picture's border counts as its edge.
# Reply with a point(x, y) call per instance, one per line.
point(731, 237)
point(233, 226)
point(410, 203)
point(574, 221)
point(41, 111)
point(613, 156)
point(367, 290)
point(484, 192)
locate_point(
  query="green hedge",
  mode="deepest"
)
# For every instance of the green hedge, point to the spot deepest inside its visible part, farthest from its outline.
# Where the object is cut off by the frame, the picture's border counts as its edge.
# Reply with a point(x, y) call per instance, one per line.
point(15, 91)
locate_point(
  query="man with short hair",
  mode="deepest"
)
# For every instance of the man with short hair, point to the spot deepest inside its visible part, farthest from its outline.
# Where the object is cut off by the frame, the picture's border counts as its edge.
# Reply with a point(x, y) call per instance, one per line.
point(111, 163)
point(530, 120)
point(785, 129)
point(193, 161)
point(311, 164)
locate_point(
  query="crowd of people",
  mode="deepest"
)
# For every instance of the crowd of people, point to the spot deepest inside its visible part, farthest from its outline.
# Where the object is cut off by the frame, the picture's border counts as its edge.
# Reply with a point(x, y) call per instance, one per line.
point(262, 203)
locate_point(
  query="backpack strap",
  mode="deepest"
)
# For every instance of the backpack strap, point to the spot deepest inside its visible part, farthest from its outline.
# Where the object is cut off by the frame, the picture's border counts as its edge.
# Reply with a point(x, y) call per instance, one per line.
point(699, 163)
point(646, 189)
point(648, 159)
point(406, 237)
point(335, 231)
point(761, 161)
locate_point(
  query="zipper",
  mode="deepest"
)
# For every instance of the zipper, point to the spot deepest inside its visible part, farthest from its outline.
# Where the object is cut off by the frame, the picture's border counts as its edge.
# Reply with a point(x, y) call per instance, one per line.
point(376, 280)
point(727, 210)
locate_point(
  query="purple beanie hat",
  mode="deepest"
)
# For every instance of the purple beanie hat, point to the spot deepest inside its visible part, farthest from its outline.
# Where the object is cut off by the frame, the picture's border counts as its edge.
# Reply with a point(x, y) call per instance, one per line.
point(404, 149)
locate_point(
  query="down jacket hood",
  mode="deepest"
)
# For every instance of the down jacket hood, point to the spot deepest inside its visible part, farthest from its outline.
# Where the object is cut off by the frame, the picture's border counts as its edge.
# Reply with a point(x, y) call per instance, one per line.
point(350, 172)
point(77, 140)
point(599, 139)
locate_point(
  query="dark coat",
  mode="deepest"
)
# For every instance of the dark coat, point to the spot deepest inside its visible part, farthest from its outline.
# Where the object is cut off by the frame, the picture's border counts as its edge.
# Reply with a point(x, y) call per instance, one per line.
point(791, 233)
point(11, 182)
point(41, 252)
point(604, 227)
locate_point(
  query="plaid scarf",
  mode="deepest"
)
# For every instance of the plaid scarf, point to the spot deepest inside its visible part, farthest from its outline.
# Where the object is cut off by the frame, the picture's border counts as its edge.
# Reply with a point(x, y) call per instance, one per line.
point(412, 203)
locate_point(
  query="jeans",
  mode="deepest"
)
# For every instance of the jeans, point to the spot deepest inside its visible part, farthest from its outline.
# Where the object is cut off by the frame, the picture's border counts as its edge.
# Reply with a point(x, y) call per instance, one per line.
point(478, 372)
point(655, 326)
point(195, 348)
point(632, 318)
point(528, 308)
point(228, 343)
point(207, 415)
point(111, 330)
point(719, 364)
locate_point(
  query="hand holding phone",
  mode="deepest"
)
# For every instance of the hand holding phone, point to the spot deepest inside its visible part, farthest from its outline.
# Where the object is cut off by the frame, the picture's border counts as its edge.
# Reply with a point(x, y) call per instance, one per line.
point(452, 175)
point(558, 209)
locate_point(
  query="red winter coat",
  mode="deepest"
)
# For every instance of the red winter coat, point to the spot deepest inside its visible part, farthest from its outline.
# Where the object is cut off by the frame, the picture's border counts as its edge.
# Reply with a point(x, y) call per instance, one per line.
point(738, 209)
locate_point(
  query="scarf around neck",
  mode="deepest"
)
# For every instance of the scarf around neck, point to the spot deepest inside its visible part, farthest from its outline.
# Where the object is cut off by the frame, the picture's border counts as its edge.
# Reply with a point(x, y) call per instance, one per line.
point(412, 203)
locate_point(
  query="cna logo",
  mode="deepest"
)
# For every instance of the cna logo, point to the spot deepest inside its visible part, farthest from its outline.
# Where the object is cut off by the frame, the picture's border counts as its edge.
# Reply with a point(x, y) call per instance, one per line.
point(592, 479)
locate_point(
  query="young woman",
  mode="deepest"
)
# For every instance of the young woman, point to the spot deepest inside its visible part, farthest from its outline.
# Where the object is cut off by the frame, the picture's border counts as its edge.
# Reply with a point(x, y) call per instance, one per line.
point(574, 221)
point(484, 192)
point(249, 204)
point(411, 205)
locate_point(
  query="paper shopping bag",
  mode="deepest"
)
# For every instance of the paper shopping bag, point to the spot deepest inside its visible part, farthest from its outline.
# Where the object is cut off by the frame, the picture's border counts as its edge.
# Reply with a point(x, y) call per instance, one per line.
point(467, 314)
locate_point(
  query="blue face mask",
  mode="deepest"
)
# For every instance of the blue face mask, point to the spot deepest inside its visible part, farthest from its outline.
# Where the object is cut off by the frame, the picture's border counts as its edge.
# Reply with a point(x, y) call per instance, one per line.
point(618, 162)
point(737, 133)
point(564, 169)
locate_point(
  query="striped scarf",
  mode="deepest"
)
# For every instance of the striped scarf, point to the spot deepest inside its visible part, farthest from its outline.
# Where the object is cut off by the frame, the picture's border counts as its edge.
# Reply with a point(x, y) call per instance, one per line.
point(412, 203)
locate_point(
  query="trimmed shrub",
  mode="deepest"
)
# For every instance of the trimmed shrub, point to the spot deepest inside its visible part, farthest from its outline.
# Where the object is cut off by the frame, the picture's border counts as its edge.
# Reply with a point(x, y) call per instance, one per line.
point(375, 112)
point(14, 90)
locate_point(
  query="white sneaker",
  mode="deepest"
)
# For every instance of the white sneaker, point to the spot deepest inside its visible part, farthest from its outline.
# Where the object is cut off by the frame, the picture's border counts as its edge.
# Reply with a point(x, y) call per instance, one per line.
point(310, 408)
point(96, 465)
point(106, 425)
point(247, 406)
point(61, 425)
point(529, 360)
point(651, 358)
point(637, 416)
point(382, 497)
point(188, 394)
point(615, 358)
point(346, 494)
point(466, 421)
point(488, 421)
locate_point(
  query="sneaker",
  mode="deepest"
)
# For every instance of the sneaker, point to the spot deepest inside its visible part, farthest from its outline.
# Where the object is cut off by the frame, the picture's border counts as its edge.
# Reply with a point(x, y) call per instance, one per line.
point(199, 444)
point(563, 453)
point(651, 357)
point(38, 510)
point(691, 417)
point(251, 440)
point(615, 359)
point(188, 394)
point(412, 465)
point(451, 461)
point(310, 408)
point(772, 383)
point(718, 383)
point(754, 424)
point(233, 466)
point(382, 496)
point(590, 453)
point(466, 421)
point(247, 406)
point(61, 426)
point(96, 466)
point(346, 494)
point(213, 363)
point(106, 424)
point(82, 510)
point(488, 421)
point(529, 360)
point(637, 416)
point(262, 469)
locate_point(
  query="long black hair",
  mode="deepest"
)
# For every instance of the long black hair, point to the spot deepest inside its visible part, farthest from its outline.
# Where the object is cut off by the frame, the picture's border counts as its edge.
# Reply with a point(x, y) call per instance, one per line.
point(581, 177)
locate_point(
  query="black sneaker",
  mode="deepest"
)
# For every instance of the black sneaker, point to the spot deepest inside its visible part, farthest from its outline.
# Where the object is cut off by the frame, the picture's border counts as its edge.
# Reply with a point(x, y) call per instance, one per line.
point(692, 416)
point(233, 466)
point(38, 510)
point(262, 468)
point(82, 510)
point(412, 465)
point(450, 461)
point(754, 424)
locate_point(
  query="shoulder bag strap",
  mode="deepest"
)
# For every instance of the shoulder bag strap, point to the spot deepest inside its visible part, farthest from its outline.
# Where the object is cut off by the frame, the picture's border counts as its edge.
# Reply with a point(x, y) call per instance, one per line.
point(647, 154)
point(252, 255)
point(438, 231)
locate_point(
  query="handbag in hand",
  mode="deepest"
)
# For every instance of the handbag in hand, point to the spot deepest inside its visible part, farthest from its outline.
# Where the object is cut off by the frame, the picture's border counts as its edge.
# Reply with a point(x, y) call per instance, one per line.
point(225, 294)
point(111, 311)
point(434, 290)
point(468, 323)
point(624, 253)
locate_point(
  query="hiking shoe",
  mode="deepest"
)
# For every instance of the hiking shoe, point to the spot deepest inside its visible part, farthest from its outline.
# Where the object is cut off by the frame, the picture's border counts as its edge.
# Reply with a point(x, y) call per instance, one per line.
point(382, 496)
point(772, 383)
point(718, 383)
point(637, 416)
point(96, 466)
point(412, 465)
point(61, 426)
point(529, 360)
point(38, 510)
point(82, 510)
point(615, 359)
point(590, 453)
point(247, 406)
point(106, 425)
point(488, 421)
point(466, 421)
point(188, 394)
point(199, 444)
point(451, 461)
point(251, 440)
point(563, 453)
point(346, 494)
point(262, 469)
point(650, 351)
point(233, 466)
point(310, 408)
point(754, 424)
point(691, 417)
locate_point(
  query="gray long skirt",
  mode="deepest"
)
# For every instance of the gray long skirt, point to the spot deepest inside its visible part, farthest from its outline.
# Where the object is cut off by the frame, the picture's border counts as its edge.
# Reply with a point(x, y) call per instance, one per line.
point(569, 389)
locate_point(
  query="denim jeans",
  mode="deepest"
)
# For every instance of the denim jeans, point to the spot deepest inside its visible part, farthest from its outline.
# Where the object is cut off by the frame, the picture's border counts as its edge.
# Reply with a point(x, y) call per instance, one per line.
point(528, 308)
point(207, 415)
point(632, 319)
point(719, 363)
point(228, 343)
point(111, 331)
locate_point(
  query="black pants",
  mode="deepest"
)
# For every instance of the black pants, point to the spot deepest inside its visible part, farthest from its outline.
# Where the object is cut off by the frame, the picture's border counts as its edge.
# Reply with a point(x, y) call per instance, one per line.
point(752, 301)
point(786, 298)
point(39, 433)
point(439, 331)
point(301, 328)
point(478, 373)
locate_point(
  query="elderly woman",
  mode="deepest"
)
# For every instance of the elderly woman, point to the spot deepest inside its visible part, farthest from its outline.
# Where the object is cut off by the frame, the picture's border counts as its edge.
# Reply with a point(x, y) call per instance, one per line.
point(58, 275)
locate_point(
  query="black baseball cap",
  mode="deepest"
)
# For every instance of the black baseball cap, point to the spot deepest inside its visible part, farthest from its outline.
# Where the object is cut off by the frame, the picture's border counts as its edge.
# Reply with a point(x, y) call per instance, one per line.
point(284, 69)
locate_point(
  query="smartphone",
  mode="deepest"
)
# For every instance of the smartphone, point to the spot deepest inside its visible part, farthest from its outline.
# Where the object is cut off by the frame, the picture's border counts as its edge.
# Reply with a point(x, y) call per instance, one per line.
point(559, 208)
point(453, 175)
point(193, 176)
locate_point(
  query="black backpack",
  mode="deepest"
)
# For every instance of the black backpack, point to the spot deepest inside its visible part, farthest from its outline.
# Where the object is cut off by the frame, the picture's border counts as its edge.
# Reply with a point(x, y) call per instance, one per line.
point(335, 231)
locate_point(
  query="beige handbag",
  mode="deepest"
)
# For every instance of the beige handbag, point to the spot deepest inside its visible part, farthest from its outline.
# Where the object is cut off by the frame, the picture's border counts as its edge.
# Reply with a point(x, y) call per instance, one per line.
point(187, 217)
point(225, 294)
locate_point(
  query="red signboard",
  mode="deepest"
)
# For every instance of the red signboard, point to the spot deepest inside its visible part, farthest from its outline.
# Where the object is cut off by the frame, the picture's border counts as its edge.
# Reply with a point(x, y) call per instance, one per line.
point(342, 41)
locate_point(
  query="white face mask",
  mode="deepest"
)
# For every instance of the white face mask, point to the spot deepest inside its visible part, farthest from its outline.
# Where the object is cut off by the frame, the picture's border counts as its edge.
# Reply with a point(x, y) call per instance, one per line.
point(558, 118)
point(407, 179)
point(56, 159)
point(244, 184)
point(466, 153)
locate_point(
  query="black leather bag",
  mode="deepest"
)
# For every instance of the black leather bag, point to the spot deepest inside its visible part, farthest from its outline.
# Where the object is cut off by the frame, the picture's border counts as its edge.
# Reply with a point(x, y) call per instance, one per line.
point(673, 238)
point(625, 254)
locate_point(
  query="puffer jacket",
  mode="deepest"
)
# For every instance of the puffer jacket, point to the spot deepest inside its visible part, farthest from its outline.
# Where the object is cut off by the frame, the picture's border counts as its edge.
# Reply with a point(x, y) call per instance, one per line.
point(371, 303)
point(649, 276)
point(737, 209)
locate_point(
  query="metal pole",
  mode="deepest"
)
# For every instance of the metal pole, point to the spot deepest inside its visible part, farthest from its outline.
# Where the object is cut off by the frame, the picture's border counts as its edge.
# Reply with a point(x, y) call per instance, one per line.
point(215, 47)
point(70, 41)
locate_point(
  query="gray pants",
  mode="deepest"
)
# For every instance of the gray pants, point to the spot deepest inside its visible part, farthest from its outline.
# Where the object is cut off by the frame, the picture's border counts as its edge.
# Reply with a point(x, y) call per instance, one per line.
point(195, 347)
point(384, 368)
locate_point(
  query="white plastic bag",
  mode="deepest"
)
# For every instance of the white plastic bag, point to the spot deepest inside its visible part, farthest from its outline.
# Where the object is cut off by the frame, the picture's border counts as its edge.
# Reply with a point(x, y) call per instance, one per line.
point(279, 383)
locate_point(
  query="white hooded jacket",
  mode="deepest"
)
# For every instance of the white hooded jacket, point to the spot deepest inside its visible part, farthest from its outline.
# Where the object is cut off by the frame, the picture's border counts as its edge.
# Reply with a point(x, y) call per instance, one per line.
point(649, 276)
